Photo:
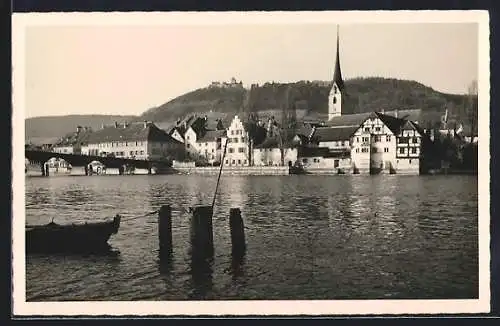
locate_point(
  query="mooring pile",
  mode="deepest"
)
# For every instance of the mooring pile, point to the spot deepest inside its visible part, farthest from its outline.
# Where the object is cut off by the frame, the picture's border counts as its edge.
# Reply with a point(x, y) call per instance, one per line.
point(201, 232)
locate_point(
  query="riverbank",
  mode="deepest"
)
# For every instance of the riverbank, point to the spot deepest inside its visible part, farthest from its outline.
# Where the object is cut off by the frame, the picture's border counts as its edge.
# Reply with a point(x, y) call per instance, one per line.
point(234, 170)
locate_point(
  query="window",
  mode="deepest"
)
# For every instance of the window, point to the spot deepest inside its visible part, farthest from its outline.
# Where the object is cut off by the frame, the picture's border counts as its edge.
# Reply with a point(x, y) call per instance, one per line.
point(229, 140)
point(232, 132)
point(136, 152)
point(414, 150)
point(401, 151)
point(415, 140)
point(315, 160)
point(336, 163)
point(206, 144)
point(334, 100)
point(376, 139)
point(142, 152)
point(388, 138)
point(403, 140)
point(374, 149)
point(377, 128)
point(357, 139)
point(213, 150)
point(242, 139)
point(239, 162)
point(235, 140)
point(227, 162)
point(386, 150)
point(245, 162)
point(232, 162)
point(131, 153)
point(367, 129)
point(365, 139)
point(188, 145)
point(364, 150)
point(304, 160)
point(231, 150)
point(357, 150)
point(135, 143)
point(187, 137)
point(241, 150)
point(410, 161)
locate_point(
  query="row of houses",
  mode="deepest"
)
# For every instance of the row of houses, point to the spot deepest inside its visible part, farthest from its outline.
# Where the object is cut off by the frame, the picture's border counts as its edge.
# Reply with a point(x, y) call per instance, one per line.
point(142, 141)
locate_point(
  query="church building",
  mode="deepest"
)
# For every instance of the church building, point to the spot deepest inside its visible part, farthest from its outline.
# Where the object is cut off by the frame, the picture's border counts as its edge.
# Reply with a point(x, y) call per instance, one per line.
point(363, 143)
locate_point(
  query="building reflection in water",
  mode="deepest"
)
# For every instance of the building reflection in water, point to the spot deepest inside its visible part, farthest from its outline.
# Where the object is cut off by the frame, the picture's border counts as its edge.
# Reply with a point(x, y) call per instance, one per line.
point(201, 271)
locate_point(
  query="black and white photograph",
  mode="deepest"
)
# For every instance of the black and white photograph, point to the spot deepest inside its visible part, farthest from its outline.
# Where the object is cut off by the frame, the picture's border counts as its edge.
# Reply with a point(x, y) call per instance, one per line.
point(251, 163)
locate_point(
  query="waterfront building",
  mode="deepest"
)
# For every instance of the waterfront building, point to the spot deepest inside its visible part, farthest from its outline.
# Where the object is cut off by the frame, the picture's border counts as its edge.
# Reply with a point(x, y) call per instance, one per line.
point(209, 145)
point(268, 153)
point(195, 128)
point(142, 141)
point(72, 143)
point(237, 153)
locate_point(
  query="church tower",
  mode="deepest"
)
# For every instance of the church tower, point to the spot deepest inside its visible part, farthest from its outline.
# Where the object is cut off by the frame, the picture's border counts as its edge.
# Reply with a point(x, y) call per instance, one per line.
point(335, 97)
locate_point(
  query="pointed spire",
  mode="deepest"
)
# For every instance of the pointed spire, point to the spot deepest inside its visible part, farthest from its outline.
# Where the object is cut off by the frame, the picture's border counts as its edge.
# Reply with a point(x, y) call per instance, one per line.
point(337, 75)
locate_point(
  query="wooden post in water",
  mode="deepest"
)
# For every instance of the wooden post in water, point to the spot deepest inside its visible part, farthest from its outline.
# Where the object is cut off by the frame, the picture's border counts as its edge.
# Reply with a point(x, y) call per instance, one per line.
point(165, 230)
point(202, 238)
point(43, 169)
point(237, 233)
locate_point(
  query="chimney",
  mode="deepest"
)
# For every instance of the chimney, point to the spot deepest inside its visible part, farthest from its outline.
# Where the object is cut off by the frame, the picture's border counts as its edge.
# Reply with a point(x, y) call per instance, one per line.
point(116, 124)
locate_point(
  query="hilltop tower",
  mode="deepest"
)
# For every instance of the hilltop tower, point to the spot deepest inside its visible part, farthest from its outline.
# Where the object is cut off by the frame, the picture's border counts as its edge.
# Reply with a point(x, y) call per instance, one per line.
point(335, 96)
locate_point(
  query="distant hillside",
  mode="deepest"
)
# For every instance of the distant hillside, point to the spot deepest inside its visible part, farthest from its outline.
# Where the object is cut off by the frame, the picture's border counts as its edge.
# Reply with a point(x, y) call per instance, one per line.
point(40, 129)
point(311, 99)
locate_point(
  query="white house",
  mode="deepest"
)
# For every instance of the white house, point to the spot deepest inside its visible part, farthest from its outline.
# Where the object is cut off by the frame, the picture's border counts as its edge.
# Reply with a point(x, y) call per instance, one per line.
point(268, 153)
point(237, 146)
point(209, 145)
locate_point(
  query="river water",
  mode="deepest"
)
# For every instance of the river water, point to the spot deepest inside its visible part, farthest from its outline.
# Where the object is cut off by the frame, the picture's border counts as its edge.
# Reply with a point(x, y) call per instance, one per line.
point(308, 237)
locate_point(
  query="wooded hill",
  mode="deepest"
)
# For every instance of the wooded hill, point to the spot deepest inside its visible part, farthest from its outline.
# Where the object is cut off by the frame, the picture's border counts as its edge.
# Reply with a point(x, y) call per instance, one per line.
point(310, 99)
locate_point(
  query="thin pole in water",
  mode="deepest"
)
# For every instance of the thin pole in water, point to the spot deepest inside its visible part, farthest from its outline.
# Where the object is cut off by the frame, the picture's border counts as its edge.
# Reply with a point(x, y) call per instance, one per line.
point(220, 172)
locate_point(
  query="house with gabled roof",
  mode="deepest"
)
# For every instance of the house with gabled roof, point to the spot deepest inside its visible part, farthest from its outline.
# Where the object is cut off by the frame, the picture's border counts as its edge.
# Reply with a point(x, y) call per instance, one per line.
point(72, 143)
point(268, 153)
point(210, 145)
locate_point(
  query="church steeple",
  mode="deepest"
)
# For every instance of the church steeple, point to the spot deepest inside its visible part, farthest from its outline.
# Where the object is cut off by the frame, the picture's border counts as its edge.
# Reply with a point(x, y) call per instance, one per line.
point(335, 96)
point(337, 74)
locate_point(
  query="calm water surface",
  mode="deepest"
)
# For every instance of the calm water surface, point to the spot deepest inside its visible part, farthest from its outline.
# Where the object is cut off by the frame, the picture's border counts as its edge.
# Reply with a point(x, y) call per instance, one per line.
point(308, 237)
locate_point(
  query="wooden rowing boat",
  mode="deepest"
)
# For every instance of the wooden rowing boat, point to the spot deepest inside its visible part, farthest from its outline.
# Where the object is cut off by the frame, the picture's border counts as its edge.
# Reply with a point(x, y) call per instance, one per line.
point(55, 237)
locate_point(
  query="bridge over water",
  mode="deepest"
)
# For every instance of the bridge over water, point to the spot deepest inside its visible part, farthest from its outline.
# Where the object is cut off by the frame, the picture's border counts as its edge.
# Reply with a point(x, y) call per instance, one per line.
point(41, 157)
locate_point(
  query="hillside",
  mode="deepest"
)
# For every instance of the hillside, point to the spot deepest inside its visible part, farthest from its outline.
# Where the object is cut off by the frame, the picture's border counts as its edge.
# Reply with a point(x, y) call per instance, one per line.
point(311, 99)
point(41, 129)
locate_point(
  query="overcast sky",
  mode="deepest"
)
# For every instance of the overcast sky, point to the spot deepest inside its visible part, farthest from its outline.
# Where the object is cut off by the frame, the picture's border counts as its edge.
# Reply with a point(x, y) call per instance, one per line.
point(129, 69)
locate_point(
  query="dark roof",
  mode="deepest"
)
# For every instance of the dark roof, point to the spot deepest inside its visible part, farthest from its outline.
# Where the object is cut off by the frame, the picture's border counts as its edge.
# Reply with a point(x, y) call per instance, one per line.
point(313, 151)
point(133, 132)
point(305, 130)
point(273, 142)
point(393, 123)
point(211, 135)
point(348, 120)
point(337, 74)
point(322, 134)
point(74, 138)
